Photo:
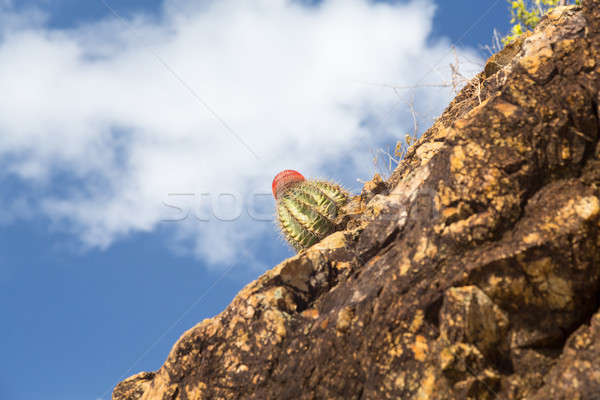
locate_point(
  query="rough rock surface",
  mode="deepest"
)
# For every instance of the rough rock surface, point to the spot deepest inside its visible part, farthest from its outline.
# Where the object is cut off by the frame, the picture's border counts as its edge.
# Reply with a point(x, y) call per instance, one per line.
point(474, 272)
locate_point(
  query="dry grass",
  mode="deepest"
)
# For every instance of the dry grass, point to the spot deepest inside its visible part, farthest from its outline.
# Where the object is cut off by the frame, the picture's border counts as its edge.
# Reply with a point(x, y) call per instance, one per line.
point(467, 91)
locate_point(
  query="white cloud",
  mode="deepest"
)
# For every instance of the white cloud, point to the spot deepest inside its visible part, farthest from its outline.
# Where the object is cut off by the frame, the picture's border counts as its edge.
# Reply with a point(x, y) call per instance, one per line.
point(97, 120)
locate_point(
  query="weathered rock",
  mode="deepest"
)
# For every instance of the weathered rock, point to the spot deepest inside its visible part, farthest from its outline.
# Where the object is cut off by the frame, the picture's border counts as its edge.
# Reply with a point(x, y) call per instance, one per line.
point(473, 273)
point(576, 375)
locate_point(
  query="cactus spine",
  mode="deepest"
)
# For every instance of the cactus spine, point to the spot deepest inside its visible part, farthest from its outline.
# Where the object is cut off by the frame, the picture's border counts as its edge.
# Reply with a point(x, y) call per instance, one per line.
point(306, 209)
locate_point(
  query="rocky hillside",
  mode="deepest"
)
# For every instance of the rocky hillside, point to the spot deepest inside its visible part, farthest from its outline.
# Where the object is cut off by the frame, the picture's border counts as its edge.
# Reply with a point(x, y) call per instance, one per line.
point(474, 272)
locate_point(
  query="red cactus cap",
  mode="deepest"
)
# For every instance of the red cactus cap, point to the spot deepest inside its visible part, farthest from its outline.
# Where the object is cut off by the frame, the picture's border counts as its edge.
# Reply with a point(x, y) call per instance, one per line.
point(285, 178)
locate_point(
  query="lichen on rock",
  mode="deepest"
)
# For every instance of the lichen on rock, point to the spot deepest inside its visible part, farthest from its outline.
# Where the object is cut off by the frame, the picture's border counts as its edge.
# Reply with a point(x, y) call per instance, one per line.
point(473, 272)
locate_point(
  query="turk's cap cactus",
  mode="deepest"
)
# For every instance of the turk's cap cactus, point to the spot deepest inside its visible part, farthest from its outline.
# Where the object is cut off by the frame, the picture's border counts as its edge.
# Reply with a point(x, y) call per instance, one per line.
point(306, 209)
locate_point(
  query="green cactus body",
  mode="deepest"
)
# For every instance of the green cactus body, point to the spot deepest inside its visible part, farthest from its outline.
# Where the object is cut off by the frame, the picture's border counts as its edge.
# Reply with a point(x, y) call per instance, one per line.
point(307, 210)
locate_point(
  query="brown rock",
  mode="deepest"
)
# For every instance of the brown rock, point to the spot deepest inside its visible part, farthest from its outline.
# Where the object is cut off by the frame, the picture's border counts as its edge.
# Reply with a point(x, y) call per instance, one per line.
point(474, 272)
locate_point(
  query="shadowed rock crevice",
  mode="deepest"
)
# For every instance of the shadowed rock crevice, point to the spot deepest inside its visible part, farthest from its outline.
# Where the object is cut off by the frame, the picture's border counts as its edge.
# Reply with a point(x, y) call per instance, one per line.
point(473, 272)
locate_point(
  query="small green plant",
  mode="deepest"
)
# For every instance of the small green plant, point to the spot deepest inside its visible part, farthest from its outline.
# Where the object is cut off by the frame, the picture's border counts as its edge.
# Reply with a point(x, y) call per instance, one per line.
point(526, 14)
point(306, 209)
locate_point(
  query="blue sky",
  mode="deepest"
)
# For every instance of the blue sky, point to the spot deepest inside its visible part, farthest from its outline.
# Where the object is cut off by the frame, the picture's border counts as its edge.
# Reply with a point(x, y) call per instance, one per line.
point(106, 120)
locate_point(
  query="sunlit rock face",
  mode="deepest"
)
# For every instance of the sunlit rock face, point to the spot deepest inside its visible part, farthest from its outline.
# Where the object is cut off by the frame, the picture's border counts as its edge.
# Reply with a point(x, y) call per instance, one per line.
point(473, 272)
